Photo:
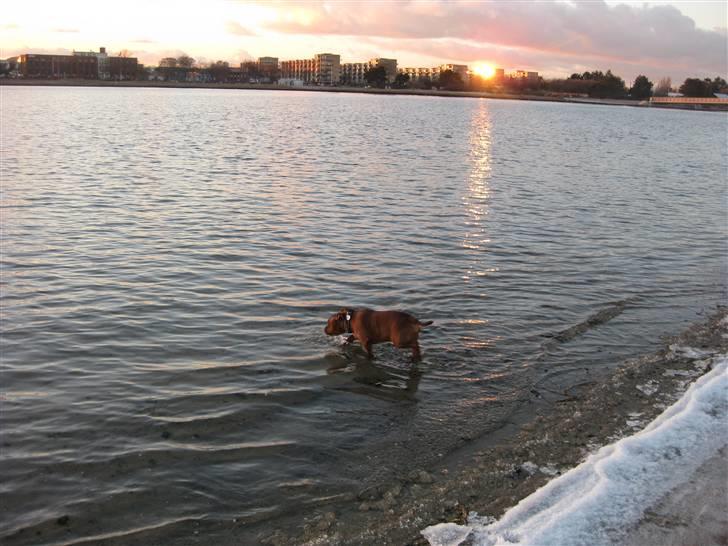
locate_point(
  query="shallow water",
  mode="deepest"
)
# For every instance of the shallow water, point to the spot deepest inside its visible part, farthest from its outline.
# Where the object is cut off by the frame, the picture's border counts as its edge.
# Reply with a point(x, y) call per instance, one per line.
point(170, 257)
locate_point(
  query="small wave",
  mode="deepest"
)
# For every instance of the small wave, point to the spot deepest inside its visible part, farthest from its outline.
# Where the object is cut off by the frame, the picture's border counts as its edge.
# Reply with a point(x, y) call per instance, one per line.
point(597, 319)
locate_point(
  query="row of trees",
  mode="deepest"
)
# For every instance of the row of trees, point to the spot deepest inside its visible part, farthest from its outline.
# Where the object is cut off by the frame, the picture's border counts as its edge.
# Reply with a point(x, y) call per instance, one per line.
point(694, 87)
point(176, 68)
point(595, 84)
point(598, 84)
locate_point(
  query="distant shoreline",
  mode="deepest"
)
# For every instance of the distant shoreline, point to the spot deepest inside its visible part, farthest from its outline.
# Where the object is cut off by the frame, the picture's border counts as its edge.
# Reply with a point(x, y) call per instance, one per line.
point(360, 90)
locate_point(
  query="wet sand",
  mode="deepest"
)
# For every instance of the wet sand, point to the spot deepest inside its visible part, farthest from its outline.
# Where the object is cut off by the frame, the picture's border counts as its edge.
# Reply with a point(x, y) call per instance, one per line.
point(488, 479)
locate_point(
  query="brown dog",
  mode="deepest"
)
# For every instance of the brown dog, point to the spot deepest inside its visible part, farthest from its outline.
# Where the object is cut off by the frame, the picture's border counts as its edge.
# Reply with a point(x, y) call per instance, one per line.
point(369, 327)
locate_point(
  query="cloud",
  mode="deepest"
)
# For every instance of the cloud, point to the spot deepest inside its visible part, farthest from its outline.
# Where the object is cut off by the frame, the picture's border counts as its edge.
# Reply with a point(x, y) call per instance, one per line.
point(9, 26)
point(562, 33)
point(143, 41)
point(14, 52)
point(243, 55)
point(68, 30)
point(233, 27)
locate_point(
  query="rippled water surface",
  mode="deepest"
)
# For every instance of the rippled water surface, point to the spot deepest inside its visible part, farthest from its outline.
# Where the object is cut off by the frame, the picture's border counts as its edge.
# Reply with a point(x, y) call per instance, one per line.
point(170, 258)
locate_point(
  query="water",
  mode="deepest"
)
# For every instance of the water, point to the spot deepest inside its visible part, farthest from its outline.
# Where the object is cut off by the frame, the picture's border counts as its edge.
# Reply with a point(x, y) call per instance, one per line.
point(170, 258)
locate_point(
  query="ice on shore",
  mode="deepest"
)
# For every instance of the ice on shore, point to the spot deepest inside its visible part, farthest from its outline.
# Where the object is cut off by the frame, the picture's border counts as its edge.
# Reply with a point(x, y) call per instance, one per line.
point(599, 500)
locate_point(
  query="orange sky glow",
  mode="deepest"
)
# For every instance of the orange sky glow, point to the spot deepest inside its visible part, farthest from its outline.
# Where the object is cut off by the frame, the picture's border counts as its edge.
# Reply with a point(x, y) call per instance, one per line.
point(555, 38)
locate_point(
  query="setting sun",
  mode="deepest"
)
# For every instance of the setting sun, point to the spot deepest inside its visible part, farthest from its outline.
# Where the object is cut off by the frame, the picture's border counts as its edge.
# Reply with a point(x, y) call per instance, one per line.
point(484, 70)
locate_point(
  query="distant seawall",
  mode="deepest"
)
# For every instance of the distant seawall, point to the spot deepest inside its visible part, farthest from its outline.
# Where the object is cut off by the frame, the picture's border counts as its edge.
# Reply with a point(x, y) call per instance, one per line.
point(360, 90)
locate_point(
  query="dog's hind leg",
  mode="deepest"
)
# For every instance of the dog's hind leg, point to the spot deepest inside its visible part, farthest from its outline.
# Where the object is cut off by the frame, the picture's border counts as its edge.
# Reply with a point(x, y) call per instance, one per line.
point(416, 354)
point(367, 347)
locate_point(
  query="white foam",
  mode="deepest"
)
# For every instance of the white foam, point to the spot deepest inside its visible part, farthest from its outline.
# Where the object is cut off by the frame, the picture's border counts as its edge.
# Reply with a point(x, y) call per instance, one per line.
point(533, 468)
point(649, 388)
point(688, 352)
point(446, 534)
point(597, 502)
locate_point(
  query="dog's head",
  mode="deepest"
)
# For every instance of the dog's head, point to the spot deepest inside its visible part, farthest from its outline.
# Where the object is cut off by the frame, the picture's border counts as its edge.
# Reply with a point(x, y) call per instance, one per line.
point(338, 323)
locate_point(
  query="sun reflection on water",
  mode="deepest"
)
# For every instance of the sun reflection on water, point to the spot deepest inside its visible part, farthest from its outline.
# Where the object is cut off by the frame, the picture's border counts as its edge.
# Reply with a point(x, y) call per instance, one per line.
point(477, 199)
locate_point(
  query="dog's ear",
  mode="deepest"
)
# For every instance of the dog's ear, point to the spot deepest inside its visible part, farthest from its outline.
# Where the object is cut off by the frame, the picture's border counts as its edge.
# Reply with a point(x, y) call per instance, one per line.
point(343, 311)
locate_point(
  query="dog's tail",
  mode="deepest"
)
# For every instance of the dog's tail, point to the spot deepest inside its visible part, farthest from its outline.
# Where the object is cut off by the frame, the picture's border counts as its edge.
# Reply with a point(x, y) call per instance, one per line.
point(426, 323)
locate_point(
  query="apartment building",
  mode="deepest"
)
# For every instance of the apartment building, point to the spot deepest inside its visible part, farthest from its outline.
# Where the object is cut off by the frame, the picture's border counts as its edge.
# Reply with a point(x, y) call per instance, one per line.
point(328, 68)
point(323, 69)
point(353, 73)
point(525, 74)
point(268, 66)
point(434, 72)
point(389, 65)
point(421, 73)
point(459, 69)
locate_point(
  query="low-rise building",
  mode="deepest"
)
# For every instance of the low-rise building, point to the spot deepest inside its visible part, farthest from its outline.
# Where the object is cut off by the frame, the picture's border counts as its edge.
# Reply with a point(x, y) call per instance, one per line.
point(525, 74)
point(290, 82)
point(459, 69)
point(37, 65)
point(87, 65)
point(102, 59)
point(433, 73)
point(268, 66)
point(236, 74)
point(122, 68)
point(421, 73)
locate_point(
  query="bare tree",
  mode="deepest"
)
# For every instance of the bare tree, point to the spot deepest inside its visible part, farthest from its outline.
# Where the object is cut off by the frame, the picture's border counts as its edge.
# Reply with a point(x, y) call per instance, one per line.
point(124, 53)
point(185, 61)
point(219, 71)
point(663, 87)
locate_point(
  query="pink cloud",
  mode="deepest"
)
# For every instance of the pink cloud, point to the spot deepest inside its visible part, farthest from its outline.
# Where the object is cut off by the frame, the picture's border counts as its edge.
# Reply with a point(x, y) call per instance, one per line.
point(524, 33)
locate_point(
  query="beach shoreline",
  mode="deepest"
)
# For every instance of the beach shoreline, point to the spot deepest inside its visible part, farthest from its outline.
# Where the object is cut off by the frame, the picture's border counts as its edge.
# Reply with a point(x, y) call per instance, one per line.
point(488, 478)
point(357, 90)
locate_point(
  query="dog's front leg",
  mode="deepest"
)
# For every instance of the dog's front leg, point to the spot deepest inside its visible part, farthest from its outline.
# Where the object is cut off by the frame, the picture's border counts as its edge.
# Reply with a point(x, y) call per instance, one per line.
point(350, 339)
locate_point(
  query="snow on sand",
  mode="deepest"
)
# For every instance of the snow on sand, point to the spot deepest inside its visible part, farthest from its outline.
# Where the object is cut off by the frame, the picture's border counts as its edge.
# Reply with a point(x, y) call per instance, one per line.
point(601, 499)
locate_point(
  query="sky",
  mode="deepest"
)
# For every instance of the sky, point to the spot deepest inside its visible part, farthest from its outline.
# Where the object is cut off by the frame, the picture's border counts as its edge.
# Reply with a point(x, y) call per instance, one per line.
point(678, 39)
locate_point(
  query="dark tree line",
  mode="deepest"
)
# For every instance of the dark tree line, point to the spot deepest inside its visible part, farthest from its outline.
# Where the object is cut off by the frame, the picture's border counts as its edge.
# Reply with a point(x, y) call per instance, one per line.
point(450, 81)
point(596, 84)
point(694, 87)
point(376, 77)
point(601, 85)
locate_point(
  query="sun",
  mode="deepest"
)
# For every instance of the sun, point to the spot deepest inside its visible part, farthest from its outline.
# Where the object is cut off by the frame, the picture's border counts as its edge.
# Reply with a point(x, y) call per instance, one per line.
point(484, 70)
